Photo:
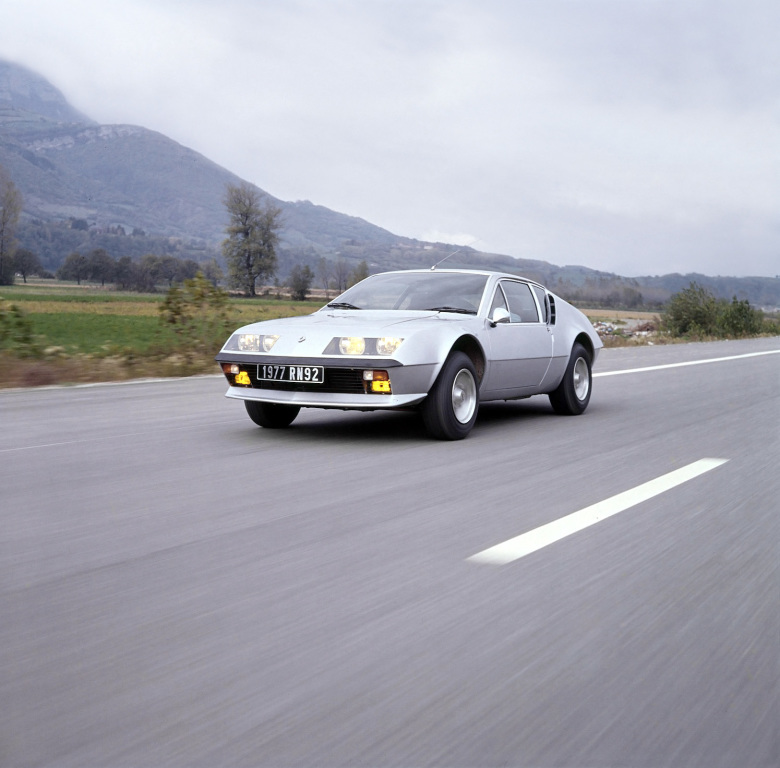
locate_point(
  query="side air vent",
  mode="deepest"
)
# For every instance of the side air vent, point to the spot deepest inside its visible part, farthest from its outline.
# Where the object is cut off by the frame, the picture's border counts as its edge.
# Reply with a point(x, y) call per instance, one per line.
point(552, 308)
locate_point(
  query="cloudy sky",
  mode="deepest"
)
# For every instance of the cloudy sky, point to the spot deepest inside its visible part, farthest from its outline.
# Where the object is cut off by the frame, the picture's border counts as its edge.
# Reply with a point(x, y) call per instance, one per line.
point(633, 136)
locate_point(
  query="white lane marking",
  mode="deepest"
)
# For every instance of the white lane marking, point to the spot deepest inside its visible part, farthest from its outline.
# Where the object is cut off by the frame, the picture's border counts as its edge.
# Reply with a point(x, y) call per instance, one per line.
point(690, 362)
point(523, 545)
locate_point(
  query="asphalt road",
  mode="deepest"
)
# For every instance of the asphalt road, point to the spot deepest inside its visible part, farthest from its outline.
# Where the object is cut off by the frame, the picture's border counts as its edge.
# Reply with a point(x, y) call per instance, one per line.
point(181, 588)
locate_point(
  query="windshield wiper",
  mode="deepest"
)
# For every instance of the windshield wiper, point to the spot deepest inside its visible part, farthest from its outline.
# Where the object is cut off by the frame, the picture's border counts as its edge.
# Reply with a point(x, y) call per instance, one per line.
point(459, 310)
point(343, 305)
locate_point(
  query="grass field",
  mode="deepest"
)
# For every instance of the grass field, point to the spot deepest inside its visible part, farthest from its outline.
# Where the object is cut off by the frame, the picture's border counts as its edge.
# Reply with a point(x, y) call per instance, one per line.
point(87, 333)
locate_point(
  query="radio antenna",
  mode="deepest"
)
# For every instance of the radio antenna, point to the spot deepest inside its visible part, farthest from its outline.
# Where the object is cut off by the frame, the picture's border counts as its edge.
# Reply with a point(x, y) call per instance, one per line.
point(467, 245)
point(445, 258)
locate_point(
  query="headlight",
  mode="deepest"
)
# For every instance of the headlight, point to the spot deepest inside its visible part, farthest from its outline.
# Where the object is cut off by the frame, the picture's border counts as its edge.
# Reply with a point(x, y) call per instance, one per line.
point(386, 345)
point(352, 345)
point(268, 342)
point(250, 342)
point(359, 345)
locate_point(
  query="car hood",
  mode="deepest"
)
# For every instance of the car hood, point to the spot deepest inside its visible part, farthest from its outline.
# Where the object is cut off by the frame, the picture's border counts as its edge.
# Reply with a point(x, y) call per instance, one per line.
point(309, 335)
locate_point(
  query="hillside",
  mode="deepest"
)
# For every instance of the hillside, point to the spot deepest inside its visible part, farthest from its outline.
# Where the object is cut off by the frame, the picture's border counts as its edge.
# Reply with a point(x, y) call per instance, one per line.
point(123, 176)
point(67, 166)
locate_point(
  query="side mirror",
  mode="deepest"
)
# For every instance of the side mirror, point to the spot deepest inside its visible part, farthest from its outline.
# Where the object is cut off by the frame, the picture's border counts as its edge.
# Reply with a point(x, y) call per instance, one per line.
point(500, 315)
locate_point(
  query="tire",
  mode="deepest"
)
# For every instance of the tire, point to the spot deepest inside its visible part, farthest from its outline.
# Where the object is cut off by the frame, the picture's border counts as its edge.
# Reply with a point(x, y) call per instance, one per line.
point(450, 410)
point(271, 415)
point(573, 393)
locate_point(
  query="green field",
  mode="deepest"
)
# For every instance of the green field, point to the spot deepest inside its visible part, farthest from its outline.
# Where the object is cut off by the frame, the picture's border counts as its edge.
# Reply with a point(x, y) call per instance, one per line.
point(72, 334)
point(87, 333)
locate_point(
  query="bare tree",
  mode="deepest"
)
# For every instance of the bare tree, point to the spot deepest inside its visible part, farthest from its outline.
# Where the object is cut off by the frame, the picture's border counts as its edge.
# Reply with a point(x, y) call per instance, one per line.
point(300, 281)
point(323, 273)
point(341, 274)
point(252, 237)
point(100, 265)
point(75, 267)
point(26, 263)
point(10, 210)
point(212, 271)
point(360, 272)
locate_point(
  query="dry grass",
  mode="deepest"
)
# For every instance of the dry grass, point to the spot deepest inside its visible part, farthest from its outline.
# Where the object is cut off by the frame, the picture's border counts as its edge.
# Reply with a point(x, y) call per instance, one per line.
point(75, 349)
point(85, 369)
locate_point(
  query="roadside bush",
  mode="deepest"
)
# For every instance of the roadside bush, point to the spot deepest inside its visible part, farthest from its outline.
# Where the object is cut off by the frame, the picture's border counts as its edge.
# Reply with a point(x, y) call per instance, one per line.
point(696, 313)
point(196, 311)
point(16, 334)
point(693, 311)
point(739, 319)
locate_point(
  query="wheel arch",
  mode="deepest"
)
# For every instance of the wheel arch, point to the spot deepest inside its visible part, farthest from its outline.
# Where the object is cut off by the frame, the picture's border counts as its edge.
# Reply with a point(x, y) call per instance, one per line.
point(469, 345)
point(587, 343)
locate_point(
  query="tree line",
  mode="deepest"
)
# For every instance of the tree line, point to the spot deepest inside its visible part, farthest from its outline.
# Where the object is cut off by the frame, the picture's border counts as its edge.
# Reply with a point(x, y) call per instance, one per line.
point(143, 275)
point(250, 250)
point(251, 253)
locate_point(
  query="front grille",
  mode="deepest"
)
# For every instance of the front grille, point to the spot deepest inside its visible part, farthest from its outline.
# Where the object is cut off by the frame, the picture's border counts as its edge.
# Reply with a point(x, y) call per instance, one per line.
point(338, 380)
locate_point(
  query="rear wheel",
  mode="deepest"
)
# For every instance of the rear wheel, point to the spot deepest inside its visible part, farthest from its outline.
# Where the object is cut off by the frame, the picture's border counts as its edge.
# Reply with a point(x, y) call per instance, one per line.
point(271, 415)
point(573, 393)
point(450, 410)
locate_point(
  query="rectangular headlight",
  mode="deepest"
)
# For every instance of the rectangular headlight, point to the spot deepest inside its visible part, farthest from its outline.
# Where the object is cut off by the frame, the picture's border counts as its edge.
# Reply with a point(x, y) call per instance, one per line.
point(358, 345)
point(250, 342)
point(386, 345)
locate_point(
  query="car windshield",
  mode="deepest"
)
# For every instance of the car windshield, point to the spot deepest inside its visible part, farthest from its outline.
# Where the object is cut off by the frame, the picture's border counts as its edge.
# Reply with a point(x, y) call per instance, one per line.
point(438, 291)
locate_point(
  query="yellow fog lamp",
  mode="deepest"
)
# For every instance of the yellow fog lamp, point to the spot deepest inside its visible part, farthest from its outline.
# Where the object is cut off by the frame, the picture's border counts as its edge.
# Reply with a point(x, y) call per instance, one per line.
point(352, 345)
point(242, 379)
point(378, 382)
point(235, 375)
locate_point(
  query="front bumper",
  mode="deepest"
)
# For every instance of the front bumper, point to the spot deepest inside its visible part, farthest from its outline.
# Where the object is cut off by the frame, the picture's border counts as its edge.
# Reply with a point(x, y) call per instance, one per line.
point(350, 402)
point(342, 388)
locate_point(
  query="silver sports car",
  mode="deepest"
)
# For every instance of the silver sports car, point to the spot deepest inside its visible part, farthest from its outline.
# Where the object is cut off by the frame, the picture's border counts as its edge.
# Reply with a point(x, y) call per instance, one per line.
point(441, 341)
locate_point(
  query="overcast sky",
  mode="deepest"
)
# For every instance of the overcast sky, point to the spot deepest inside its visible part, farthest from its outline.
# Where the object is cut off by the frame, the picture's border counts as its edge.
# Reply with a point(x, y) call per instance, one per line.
point(633, 136)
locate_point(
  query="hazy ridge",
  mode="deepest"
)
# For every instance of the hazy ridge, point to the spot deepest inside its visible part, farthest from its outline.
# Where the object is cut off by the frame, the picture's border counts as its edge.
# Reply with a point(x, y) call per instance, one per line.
point(68, 166)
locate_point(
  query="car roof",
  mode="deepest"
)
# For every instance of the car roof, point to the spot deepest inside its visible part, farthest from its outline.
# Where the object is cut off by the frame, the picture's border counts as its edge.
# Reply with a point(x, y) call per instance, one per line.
point(486, 272)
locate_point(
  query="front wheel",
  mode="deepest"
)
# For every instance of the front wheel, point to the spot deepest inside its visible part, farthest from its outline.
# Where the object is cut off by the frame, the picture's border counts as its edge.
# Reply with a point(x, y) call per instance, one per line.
point(573, 393)
point(271, 415)
point(450, 410)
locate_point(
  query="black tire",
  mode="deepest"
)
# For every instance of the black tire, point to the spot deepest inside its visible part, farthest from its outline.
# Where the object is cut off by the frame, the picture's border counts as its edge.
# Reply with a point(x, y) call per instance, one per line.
point(271, 415)
point(450, 410)
point(573, 393)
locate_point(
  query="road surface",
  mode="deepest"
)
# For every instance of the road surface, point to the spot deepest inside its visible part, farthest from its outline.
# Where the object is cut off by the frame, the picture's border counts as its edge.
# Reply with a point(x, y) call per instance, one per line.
point(179, 587)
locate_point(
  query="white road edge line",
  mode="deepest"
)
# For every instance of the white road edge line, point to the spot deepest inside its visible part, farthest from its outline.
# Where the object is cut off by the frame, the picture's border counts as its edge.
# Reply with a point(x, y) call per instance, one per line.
point(690, 362)
point(520, 546)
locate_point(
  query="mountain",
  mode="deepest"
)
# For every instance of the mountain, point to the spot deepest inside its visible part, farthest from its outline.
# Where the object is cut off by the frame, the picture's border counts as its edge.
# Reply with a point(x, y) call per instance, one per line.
point(129, 179)
point(68, 166)
point(31, 94)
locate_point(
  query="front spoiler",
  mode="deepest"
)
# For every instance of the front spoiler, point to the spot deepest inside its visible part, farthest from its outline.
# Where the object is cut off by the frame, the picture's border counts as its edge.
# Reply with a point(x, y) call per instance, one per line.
point(350, 402)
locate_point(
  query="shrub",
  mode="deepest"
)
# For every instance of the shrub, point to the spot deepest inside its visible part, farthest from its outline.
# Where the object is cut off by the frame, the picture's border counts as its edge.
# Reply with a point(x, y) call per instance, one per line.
point(692, 311)
point(739, 319)
point(197, 313)
point(16, 334)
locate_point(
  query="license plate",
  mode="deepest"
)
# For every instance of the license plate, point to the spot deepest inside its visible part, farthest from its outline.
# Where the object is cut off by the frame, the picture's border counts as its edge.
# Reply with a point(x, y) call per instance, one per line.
point(304, 374)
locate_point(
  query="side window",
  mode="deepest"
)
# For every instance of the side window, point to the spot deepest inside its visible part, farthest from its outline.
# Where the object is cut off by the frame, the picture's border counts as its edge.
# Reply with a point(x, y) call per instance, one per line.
point(522, 307)
point(541, 297)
